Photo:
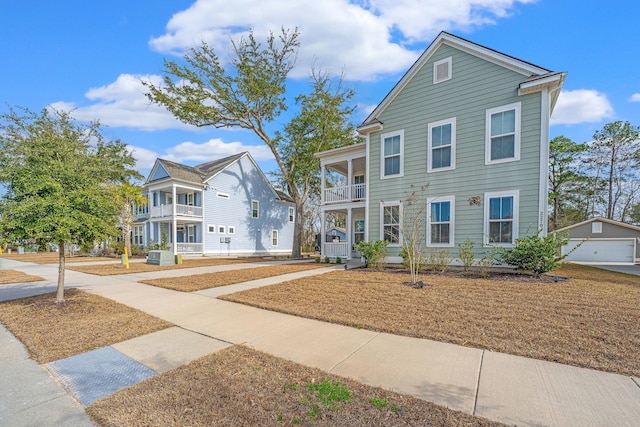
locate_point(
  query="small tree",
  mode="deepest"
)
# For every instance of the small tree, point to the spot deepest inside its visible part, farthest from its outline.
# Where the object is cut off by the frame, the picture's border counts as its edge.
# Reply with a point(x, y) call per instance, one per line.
point(129, 197)
point(61, 179)
point(535, 253)
point(466, 255)
point(412, 229)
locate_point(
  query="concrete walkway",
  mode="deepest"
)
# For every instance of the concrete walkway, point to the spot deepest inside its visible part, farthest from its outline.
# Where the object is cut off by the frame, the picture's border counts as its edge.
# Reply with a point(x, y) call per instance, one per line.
point(501, 387)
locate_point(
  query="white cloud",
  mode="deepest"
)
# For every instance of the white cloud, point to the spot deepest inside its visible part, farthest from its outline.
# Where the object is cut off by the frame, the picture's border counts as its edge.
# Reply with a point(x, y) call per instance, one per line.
point(363, 38)
point(123, 104)
point(195, 153)
point(635, 97)
point(581, 106)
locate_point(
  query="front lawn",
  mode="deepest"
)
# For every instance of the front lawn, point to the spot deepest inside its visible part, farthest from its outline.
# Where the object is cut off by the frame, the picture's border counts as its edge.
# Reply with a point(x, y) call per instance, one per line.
point(590, 320)
point(141, 267)
point(14, 276)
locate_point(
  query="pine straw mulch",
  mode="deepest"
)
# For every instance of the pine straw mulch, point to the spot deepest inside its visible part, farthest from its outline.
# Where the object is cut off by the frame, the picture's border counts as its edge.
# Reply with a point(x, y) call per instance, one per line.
point(81, 323)
point(142, 267)
point(239, 386)
point(589, 319)
point(198, 282)
point(14, 276)
point(53, 258)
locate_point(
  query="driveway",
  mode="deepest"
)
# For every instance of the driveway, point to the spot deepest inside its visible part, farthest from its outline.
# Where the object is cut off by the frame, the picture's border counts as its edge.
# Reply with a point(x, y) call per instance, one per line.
point(622, 268)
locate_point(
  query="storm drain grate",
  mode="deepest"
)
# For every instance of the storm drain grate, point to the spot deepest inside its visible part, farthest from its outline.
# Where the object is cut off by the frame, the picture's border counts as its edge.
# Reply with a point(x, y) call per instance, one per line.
point(98, 373)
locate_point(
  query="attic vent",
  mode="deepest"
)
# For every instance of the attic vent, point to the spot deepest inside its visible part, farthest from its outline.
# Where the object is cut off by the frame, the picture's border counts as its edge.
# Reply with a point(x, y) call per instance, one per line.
point(442, 70)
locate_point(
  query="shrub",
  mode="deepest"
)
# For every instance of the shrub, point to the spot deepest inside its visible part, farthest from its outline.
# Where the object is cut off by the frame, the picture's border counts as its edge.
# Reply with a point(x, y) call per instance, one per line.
point(535, 253)
point(485, 264)
point(338, 260)
point(373, 252)
point(317, 258)
point(327, 259)
point(465, 253)
point(420, 261)
point(439, 260)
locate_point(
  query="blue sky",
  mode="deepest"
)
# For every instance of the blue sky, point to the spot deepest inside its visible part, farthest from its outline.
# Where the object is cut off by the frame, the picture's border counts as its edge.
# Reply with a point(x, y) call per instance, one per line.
point(91, 57)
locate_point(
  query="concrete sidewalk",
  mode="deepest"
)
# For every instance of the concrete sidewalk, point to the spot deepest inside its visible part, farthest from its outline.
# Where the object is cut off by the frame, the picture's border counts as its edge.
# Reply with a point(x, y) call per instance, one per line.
point(501, 387)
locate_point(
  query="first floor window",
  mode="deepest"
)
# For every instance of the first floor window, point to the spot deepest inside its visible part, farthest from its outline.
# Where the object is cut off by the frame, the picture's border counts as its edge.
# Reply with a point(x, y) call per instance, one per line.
point(274, 237)
point(440, 221)
point(391, 223)
point(231, 229)
point(358, 235)
point(221, 229)
point(211, 229)
point(501, 218)
point(138, 235)
point(191, 233)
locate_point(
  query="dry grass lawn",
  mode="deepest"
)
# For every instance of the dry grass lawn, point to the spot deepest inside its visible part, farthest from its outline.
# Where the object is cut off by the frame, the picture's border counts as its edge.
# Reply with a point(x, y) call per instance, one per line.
point(13, 276)
point(590, 320)
point(142, 267)
point(199, 282)
point(83, 322)
point(239, 386)
point(52, 258)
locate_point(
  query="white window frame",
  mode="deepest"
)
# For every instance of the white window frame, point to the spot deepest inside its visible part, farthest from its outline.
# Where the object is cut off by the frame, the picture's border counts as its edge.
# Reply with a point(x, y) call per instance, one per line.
point(190, 199)
point(191, 233)
point(222, 229)
point(168, 199)
point(382, 224)
point(231, 229)
point(257, 209)
point(210, 227)
point(138, 234)
point(452, 210)
point(517, 106)
point(399, 133)
point(596, 227)
point(292, 214)
point(222, 195)
point(274, 238)
point(515, 220)
point(435, 70)
point(439, 123)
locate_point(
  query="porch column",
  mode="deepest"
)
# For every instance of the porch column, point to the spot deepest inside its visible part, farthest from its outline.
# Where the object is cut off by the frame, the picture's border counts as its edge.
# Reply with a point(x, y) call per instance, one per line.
point(322, 183)
point(349, 179)
point(323, 220)
point(174, 203)
point(174, 233)
point(349, 229)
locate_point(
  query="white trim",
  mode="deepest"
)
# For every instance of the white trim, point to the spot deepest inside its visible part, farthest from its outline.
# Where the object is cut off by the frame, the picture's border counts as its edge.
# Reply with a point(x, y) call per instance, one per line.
point(430, 126)
point(609, 221)
point(515, 220)
point(435, 70)
point(367, 187)
point(384, 204)
point(209, 227)
point(399, 133)
point(517, 106)
point(452, 219)
point(543, 186)
point(596, 227)
point(257, 202)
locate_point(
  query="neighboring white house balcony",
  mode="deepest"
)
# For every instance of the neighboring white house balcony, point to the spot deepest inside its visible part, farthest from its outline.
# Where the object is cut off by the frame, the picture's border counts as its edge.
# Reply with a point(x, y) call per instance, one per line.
point(186, 248)
point(345, 193)
point(333, 250)
point(181, 210)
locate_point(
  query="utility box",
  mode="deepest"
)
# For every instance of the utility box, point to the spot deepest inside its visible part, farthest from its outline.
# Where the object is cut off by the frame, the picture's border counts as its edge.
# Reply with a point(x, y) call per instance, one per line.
point(161, 258)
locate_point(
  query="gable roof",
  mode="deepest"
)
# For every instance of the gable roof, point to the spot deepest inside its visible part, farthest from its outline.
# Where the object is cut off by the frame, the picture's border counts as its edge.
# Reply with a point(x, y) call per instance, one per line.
point(598, 219)
point(536, 77)
point(202, 173)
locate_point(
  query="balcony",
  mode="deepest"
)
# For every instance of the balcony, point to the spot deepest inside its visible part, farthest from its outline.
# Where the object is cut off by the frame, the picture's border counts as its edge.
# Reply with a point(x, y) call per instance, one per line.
point(345, 193)
point(334, 250)
point(181, 211)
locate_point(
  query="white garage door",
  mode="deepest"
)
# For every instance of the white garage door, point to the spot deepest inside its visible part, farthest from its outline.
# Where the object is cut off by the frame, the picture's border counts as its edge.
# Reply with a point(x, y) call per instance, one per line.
point(600, 251)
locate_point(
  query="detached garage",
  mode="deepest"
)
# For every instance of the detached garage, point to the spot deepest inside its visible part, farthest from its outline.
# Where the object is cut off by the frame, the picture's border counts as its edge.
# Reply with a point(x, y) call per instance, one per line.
point(601, 240)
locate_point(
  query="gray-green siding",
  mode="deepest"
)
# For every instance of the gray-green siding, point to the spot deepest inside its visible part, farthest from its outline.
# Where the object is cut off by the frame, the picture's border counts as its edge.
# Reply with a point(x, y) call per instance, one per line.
point(476, 85)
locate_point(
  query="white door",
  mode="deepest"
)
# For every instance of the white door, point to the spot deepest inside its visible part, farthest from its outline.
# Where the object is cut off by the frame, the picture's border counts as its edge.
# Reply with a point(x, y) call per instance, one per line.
point(600, 250)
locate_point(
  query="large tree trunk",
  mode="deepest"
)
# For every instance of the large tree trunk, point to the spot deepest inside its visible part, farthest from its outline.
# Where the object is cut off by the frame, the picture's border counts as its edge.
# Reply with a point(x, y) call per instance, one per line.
point(61, 265)
point(296, 252)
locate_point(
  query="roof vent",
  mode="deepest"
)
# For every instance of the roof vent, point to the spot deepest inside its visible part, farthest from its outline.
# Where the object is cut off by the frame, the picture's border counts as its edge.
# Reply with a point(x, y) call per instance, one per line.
point(442, 70)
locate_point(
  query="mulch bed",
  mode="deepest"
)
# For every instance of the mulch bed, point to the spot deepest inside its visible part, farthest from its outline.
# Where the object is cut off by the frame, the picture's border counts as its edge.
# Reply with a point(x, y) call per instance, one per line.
point(239, 386)
point(589, 320)
point(81, 323)
point(13, 276)
point(199, 282)
point(53, 258)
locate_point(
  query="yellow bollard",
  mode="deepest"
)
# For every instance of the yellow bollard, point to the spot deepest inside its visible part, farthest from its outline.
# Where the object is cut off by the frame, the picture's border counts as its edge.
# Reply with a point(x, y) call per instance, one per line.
point(126, 257)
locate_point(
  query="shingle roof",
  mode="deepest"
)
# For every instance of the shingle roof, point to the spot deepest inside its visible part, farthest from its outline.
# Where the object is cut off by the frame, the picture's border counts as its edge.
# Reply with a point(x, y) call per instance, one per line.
point(199, 173)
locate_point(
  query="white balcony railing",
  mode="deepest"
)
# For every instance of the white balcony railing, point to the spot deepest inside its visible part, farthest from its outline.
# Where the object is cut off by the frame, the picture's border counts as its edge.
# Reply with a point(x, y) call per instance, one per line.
point(345, 193)
point(333, 250)
point(188, 247)
point(181, 210)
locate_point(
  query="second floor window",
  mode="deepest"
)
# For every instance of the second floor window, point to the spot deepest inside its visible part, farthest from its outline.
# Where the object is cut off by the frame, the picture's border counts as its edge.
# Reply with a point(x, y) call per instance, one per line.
point(292, 212)
point(442, 138)
point(503, 134)
point(255, 209)
point(392, 150)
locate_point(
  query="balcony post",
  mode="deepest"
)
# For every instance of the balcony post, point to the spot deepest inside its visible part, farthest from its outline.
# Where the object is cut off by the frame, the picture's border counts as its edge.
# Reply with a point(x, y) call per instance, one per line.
point(349, 228)
point(323, 220)
point(322, 183)
point(349, 178)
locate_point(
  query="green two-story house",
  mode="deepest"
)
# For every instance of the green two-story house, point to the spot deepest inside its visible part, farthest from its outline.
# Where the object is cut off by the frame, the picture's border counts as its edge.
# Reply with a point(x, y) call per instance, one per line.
point(467, 124)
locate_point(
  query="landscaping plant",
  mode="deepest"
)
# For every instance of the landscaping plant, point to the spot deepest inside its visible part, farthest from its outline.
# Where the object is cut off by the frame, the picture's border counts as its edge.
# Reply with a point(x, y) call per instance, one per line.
point(535, 253)
point(373, 252)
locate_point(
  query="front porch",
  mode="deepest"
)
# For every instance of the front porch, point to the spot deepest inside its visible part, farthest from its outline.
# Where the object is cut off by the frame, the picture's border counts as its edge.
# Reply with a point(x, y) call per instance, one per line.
point(181, 237)
point(351, 219)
